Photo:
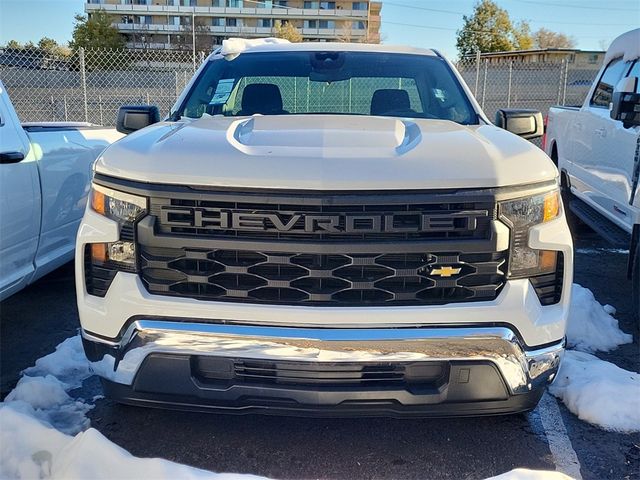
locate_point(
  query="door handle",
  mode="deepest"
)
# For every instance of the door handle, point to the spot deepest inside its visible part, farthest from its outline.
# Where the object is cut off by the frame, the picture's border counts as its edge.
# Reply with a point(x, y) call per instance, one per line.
point(11, 157)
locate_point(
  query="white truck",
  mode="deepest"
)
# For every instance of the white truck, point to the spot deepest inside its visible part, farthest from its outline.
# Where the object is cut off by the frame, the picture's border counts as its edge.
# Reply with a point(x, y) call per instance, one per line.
point(45, 174)
point(597, 150)
point(329, 229)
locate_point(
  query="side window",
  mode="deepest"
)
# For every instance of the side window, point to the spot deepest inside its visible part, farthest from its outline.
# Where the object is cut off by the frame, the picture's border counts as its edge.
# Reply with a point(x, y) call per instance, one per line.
point(635, 72)
point(604, 89)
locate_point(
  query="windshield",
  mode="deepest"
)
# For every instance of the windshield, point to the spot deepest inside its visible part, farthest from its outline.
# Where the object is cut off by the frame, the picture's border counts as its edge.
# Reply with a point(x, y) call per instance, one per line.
point(344, 83)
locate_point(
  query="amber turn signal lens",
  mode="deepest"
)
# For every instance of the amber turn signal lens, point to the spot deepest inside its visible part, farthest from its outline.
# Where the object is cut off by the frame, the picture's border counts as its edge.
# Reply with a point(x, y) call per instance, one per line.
point(99, 252)
point(551, 206)
point(98, 202)
point(547, 260)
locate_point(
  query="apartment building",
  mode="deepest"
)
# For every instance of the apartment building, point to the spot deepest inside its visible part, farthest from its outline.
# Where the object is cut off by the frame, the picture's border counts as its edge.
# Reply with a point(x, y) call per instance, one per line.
point(170, 24)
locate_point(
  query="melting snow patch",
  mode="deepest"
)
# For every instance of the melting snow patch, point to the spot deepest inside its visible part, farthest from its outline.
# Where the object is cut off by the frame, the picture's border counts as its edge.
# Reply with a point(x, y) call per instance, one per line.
point(599, 392)
point(591, 327)
point(68, 363)
point(525, 474)
point(235, 46)
point(33, 450)
point(38, 420)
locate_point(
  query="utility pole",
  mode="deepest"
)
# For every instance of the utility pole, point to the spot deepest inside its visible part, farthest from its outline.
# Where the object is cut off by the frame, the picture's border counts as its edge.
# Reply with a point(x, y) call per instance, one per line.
point(193, 37)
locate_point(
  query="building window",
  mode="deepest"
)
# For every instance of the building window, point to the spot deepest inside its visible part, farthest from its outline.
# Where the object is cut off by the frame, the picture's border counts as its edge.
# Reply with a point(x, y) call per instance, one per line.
point(325, 24)
point(232, 22)
point(310, 24)
point(217, 22)
point(320, 5)
point(265, 22)
point(234, 3)
point(280, 3)
point(126, 19)
point(593, 58)
point(358, 5)
point(358, 25)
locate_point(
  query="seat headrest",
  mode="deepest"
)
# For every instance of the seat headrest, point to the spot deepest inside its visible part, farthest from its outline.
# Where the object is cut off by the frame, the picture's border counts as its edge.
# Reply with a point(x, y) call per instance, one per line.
point(264, 98)
point(389, 99)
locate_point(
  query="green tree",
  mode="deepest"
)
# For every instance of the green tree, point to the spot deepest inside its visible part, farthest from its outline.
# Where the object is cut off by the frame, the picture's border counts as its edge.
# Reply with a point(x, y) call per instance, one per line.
point(488, 29)
point(522, 37)
point(287, 31)
point(544, 38)
point(96, 32)
point(50, 47)
point(14, 45)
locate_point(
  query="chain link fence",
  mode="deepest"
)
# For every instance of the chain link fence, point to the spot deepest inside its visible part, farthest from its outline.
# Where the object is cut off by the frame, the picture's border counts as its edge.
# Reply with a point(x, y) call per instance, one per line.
point(533, 85)
point(91, 85)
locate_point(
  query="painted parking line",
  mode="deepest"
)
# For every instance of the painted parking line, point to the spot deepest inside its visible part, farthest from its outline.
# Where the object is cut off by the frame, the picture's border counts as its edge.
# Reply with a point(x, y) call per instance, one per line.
point(564, 456)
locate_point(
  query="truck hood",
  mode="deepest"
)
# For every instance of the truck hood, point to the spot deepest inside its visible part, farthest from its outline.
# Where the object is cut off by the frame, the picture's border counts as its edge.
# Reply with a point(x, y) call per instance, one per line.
point(326, 152)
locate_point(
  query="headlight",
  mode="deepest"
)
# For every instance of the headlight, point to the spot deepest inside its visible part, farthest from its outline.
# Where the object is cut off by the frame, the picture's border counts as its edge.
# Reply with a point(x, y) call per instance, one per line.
point(119, 206)
point(126, 209)
point(521, 214)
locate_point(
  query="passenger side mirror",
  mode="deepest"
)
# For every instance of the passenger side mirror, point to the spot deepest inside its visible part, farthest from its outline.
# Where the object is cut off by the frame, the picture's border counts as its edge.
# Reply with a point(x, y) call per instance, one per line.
point(625, 105)
point(525, 123)
point(135, 117)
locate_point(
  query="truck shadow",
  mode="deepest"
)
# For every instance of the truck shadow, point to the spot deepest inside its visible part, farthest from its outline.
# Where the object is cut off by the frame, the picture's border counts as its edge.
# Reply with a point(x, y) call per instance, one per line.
point(291, 447)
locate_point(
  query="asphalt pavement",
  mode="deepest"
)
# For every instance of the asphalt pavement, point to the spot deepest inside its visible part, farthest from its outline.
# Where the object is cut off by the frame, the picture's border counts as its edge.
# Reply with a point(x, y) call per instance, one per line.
point(35, 320)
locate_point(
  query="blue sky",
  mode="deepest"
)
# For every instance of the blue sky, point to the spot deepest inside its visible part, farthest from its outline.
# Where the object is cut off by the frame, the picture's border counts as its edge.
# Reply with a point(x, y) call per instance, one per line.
point(422, 23)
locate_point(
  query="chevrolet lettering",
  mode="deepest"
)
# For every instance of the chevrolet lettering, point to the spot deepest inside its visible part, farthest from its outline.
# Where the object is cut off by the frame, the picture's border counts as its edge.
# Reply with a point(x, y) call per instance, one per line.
point(217, 219)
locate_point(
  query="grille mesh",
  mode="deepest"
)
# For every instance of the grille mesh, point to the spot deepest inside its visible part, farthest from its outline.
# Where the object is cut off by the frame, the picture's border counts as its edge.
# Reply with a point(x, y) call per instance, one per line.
point(338, 279)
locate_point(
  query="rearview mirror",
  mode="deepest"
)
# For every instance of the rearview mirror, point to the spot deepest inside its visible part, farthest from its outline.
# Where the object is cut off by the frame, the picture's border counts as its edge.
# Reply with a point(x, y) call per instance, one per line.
point(625, 104)
point(525, 123)
point(135, 117)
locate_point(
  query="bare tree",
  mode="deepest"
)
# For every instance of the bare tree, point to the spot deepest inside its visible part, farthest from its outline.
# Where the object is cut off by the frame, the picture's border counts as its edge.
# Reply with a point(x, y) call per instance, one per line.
point(544, 38)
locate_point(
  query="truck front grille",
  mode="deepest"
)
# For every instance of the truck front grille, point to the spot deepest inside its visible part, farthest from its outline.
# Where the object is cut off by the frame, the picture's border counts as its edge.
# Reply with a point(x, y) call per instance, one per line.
point(336, 249)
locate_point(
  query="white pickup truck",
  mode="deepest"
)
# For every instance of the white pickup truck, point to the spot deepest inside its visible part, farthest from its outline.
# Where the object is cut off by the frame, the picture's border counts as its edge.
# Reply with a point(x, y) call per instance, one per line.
point(45, 173)
point(597, 150)
point(325, 228)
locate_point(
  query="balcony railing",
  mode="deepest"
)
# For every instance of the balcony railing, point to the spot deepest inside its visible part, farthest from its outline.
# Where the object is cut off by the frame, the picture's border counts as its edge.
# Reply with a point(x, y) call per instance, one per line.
point(228, 11)
point(237, 30)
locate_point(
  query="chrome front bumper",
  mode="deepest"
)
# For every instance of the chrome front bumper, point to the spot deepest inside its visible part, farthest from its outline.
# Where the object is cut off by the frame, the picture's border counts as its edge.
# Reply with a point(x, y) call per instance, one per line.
point(522, 369)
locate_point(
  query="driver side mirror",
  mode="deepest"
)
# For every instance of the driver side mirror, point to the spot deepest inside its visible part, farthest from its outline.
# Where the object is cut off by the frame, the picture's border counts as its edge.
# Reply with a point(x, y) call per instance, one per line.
point(625, 105)
point(135, 117)
point(524, 123)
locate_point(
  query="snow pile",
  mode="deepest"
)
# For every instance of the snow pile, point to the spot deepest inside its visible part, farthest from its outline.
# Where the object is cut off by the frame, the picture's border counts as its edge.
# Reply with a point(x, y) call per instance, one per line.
point(42, 391)
point(526, 474)
point(591, 327)
point(68, 363)
point(32, 450)
point(38, 420)
point(46, 399)
point(235, 46)
point(599, 392)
